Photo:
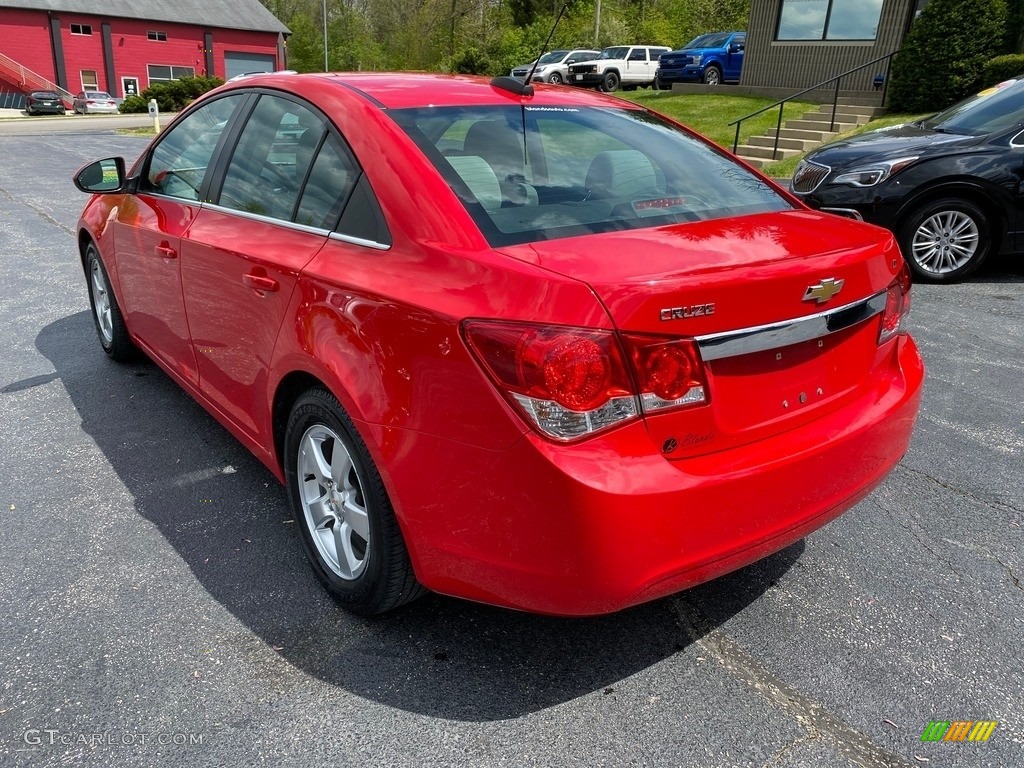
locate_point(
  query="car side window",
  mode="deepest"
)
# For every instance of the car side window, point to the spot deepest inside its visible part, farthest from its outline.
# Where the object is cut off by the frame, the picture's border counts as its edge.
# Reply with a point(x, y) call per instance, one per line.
point(331, 178)
point(178, 164)
point(638, 54)
point(271, 159)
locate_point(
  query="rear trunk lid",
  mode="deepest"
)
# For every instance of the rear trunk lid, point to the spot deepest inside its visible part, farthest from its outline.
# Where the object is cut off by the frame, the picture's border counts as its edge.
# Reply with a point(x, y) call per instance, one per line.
point(760, 294)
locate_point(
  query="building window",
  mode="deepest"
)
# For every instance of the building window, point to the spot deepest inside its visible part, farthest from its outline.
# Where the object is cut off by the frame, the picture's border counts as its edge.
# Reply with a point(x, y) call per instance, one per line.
point(162, 73)
point(81, 29)
point(89, 80)
point(829, 19)
point(158, 36)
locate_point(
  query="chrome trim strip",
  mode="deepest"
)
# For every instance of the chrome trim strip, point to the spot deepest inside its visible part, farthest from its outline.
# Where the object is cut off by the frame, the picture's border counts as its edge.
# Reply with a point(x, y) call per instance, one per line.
point(268, 219)
point(716, 346)
point(280, 222)
point(849, 213)
point(359, 241)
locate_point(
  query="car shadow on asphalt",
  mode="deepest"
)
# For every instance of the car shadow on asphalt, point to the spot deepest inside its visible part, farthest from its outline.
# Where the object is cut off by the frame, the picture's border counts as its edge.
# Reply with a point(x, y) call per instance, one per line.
point(228, 519)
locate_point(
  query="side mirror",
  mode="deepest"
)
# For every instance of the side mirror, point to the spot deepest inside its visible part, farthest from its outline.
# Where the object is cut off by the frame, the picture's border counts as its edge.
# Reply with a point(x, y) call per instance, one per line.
point(102, 176)
point(736, 48)
point(570, 61)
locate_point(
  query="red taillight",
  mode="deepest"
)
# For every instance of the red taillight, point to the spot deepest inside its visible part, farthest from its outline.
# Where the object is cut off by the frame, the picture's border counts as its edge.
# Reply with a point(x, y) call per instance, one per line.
point(576, 370)
point(568, 382)
point(572, 382)
point(669, 371)
point(90, 102)
point(897, 306)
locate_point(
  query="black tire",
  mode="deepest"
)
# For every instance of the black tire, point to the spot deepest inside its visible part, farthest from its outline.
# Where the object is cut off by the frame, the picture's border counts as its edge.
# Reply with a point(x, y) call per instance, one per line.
point(712, 76)
point(610, 84)
point(377, 575)
point(945, 240)
point(555, 79)
point(658, 85)
point(106, 313)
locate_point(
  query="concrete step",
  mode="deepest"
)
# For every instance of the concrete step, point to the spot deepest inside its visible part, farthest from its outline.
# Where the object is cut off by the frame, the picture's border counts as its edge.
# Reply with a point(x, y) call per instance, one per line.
point(874, 100)
point(747, 150)
point(801, 145)
point(819, 125)
point(757, 162)
point(796, 133)
point(869, 110)
point(841, 117)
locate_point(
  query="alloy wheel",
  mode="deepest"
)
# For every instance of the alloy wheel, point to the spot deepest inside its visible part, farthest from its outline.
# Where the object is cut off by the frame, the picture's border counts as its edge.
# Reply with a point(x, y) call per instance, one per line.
point(101, 303)
point(333, 503)
point(945, 242)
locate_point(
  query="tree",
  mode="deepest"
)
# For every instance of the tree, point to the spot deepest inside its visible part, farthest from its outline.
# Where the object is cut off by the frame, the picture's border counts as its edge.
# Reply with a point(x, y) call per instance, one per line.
point(943, 57)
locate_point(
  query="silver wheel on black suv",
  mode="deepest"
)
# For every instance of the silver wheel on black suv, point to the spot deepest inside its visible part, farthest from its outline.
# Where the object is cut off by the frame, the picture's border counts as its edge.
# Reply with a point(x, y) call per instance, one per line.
point(945, 240)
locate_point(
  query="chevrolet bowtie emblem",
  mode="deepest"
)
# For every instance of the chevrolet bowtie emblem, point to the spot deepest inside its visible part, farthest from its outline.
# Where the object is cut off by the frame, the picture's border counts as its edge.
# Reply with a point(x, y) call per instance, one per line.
point(824, 290)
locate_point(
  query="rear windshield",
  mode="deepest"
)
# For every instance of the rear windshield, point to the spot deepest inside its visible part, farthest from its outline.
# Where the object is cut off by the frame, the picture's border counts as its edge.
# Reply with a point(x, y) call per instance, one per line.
point(536, 173)
point(44, 95)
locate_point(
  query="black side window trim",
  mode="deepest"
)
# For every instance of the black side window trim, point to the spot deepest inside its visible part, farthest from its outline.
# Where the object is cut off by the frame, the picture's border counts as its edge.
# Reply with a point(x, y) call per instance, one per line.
point(226, 151)
point(229, 134)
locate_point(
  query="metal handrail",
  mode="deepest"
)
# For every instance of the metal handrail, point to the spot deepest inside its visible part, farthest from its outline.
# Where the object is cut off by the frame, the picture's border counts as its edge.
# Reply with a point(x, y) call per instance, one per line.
point(835, 99)
point(26, 77)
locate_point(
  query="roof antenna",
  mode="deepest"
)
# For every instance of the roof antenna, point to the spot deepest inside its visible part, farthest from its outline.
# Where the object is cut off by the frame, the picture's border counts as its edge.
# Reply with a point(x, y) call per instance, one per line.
point(524, 88)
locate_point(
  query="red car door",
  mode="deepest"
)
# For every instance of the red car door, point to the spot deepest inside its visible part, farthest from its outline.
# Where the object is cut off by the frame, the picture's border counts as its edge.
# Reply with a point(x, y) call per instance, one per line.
point(149, 229)
point(281, 194)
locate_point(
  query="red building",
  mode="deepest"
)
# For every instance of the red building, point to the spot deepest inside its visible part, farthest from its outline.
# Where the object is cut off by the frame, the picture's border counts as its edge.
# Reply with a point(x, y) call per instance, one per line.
point(122, 46)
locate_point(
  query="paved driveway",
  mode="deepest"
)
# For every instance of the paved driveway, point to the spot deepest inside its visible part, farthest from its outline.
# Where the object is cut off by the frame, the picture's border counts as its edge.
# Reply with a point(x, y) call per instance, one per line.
point(155, 607)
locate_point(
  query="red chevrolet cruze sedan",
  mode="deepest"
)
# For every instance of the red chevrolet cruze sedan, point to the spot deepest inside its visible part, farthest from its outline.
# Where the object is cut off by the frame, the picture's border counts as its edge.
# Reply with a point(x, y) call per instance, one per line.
point(539, 348)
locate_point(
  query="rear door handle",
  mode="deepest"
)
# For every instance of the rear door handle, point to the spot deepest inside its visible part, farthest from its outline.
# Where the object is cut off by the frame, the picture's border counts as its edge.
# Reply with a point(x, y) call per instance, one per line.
point(260, 282)
point(166, 251)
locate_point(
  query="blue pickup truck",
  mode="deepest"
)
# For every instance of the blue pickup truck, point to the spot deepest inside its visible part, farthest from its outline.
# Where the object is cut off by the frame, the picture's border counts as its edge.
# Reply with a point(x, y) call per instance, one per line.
point(714, 59)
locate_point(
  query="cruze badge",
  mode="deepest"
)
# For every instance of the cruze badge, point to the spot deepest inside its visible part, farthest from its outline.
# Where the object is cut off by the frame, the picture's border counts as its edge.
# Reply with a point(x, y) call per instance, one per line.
point(685, 313)
point(824, 290)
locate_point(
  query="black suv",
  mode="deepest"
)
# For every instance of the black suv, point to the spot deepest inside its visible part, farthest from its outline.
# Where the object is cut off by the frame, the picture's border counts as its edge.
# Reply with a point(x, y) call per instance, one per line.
point(949, 186)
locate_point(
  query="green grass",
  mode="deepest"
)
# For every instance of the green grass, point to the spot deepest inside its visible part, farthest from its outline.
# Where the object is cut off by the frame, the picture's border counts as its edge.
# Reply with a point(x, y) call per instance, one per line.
point(710, 115)
point(135, 132)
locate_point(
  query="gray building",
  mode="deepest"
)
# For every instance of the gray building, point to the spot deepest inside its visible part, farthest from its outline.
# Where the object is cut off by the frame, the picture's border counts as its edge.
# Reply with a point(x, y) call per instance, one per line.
point(795, 44)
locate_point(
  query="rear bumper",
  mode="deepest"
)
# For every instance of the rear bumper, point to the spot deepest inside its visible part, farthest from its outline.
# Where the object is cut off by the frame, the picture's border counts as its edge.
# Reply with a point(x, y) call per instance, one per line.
point(608, 523)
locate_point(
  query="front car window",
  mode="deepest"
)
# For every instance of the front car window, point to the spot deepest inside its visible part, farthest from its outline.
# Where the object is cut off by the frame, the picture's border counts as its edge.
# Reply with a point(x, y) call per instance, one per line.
point(527, 173)
point(994, 109)
point(710, 41)
point(613, 53)
point(554, 57)
point(178, 164)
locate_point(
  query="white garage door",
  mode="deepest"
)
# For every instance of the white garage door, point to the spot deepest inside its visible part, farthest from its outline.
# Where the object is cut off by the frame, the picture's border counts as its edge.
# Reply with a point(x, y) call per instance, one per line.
point(240, 63)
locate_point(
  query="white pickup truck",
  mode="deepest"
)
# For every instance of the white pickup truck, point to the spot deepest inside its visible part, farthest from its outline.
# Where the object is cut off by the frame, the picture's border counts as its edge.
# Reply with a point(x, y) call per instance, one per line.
point(628, 66)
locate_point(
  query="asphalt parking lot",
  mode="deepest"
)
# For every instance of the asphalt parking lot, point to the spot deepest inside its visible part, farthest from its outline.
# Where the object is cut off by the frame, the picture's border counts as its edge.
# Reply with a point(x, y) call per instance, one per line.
point(156, 609)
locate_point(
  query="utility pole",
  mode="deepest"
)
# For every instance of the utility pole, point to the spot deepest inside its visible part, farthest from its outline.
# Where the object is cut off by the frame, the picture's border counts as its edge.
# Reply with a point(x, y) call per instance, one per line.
point(597, 21)
point(325, 36)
